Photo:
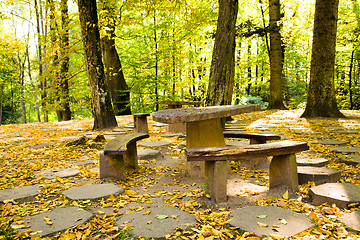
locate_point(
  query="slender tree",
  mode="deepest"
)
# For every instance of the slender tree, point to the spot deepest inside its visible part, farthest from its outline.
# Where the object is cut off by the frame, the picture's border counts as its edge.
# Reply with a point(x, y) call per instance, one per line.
point(120, 93)
point(321, 101)
point(276, 57)
point(221, 80)
point(101, 101)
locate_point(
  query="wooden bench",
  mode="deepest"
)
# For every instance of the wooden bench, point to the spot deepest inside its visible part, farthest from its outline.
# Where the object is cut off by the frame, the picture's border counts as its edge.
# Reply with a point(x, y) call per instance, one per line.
point(140, 122)
point(282, 171)
point(119, 155)
point(255, 138)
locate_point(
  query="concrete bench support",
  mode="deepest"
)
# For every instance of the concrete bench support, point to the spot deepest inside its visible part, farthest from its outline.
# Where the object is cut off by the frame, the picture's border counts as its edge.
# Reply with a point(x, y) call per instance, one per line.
point(283, 168)
point(140, 122)
point(120, 155)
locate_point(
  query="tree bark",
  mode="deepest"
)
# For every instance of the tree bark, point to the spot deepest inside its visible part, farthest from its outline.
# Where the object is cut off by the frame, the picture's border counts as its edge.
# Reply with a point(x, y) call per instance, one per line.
point(276, 97)
point(120, 93)
point(101, 101)
point(221, 80)
point(321, 101)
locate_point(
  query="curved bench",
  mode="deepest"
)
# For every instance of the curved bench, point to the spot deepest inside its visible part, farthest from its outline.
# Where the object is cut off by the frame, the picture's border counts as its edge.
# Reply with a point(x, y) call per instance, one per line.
point(119, 155)
point(282, 171)
point(255, 138)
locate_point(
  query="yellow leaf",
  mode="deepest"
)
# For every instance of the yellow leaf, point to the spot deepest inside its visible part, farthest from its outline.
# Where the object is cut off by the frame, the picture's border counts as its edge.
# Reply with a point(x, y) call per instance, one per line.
point(262, 224)
point(174, 216)
point(283, 221)
point(286, 195)
point(147, 213)
point(208, 196)
point(128, 227)
point(317, 232)
point(106, 205)
point(278, 237)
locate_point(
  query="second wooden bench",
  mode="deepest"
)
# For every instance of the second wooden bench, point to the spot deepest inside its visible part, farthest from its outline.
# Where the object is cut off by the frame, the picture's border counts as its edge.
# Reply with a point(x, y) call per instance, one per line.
point(119, 155)
point(282, 171)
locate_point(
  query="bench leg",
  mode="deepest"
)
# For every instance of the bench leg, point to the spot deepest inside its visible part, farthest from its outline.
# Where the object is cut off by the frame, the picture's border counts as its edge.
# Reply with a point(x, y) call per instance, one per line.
point(112, 167)
point(283, 171)
point(177, 128)
point(141, 124)
point(130, 158)
point(216, 179)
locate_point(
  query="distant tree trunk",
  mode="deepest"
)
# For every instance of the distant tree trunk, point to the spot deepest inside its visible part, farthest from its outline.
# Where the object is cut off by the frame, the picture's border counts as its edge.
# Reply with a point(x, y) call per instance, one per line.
point(64, 110)
point(350, 80)
point(1, 102)
point(221, 80)
point(21, 64)
point(32, 84)
point(43, 83)
point(321, 101)
point(119, 89)
point(101, 101)
point(156, 64)
point(276, 97)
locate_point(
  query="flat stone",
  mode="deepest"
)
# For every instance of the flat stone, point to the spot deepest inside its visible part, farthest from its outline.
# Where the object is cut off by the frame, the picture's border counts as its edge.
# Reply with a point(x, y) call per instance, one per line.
point(47, 129)
point(162, 222)
point(61, 218)
point(348, 132)
point(170, 135)
point(329, 142)
point(341, 194)
point(147, 153)
point(239, 187)
point(159, 124)
point(85, 162)
point(306, 160)
point(41, 145)
point(351, 159)
point(318, 175)
point(23, 194)
point(60, 172)
point(154, 144)
point(93, 192)
point(351, 220)
point(247, 219)
point(345, 149)
point(69, 138)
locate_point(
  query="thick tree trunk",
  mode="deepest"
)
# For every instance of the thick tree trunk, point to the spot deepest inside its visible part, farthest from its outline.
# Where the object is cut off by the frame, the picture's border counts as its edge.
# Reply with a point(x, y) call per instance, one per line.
point(276, 97)
point(64, 64)
point(321, 101)
point(221, 80)
point(101, 101)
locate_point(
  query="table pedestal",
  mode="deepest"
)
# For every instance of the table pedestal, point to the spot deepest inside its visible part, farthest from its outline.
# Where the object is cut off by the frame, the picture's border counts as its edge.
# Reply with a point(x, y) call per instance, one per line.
point(206, 133)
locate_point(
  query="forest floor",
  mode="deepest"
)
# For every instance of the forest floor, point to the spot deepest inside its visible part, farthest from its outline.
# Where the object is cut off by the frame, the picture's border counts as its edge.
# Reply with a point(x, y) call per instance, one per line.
point(26, 150)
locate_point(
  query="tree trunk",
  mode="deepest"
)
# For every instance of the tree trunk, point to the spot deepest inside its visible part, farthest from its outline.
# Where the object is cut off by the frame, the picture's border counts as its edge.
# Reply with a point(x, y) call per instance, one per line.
point(276, 97)
point(101, 101)
point(32, 84)
point(64, 64)
point(350, 80)
point(321, 101)
point(1, 102)
point(21, 83)
point(221, 80)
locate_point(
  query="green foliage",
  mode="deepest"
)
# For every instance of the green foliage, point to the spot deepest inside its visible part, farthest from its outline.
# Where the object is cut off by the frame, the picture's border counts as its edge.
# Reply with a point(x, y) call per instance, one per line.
point(248, 99)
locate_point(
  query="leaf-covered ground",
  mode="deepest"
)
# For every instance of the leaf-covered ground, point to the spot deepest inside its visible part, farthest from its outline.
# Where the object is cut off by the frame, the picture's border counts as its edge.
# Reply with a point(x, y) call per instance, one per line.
point(25, 151)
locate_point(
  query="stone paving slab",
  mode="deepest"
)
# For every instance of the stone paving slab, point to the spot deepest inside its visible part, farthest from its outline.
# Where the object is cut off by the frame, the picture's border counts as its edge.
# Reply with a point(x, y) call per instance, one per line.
point(341, 194)
point(306, 160)
point(61, 219)
point(144, 154)
point(351, 159)
point(154, 144)
point(60, 172)
point(85, 162)
point(329, 142)
point(160, 222)
point(345, 149)
point(250, 219)
point(318, 175)
point(23, 194)
point(351, 220)
point(41, 145)
point(93, 192)
point(239, 187)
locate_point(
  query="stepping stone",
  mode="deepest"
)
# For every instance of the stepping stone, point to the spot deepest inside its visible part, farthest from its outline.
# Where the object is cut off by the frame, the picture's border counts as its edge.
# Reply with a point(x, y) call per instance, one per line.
point(159, 124)
point(144, 154)
point(47, 129)
point(170, 135)
point(349, 132)
point(239, 187)
point(61, 218)
point(85, 162)
point(318, 175)
point(351, 220)
point(69, 138)
point(93, 192)
point(41, 145)
point(306, 160)
point(345, 149)
point(329, 142)
point(247, 219)
point(342, 194)
point(23, 194)
point(351, 159)
point(61, 172)
point(158, 223)
point(154, 144)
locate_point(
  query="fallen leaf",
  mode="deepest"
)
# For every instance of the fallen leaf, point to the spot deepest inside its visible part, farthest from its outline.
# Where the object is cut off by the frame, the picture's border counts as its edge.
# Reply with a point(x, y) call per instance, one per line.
point(261, 216)
point(262, 224)
point(161, 217)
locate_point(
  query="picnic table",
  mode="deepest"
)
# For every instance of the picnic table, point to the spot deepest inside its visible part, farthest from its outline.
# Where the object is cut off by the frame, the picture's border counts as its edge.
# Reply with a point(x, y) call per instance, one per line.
point(178, 104)
point(177, 127)
point(203, 127)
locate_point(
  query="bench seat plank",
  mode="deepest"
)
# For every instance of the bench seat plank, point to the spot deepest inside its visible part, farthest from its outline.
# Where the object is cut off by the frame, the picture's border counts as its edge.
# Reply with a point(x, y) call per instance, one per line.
point(118, 145)
point(256, 150)
point(256, 136)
